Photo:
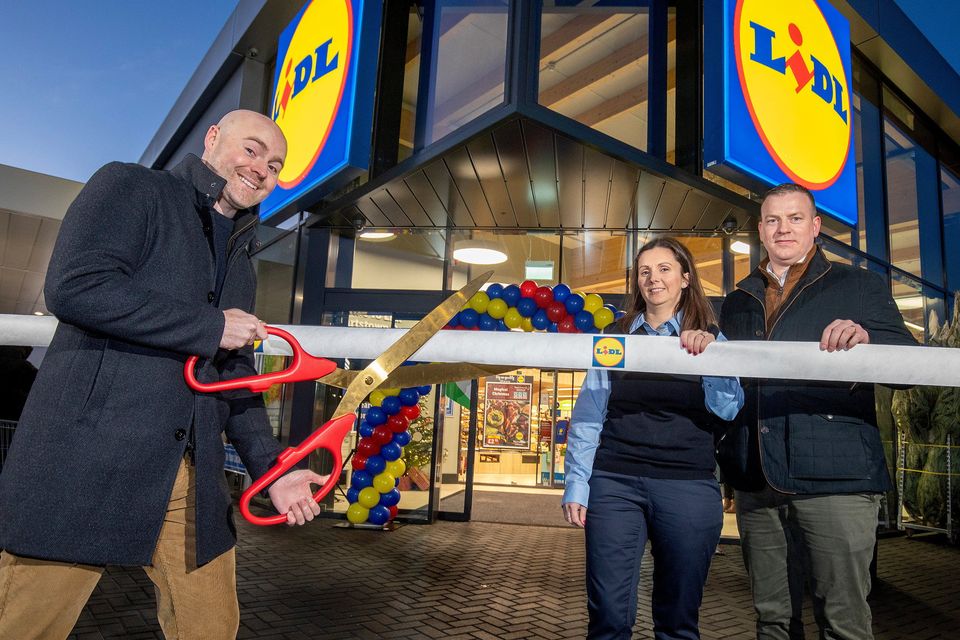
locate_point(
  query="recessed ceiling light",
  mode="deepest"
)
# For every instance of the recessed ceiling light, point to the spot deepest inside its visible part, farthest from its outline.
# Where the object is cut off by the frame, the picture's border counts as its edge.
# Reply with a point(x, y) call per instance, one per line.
point(478, 252)
point(38, 313)
point(378, 235)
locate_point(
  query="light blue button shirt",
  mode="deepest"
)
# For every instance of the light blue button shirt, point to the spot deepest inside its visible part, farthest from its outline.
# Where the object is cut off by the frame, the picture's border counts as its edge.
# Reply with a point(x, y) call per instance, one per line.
point(722, 395)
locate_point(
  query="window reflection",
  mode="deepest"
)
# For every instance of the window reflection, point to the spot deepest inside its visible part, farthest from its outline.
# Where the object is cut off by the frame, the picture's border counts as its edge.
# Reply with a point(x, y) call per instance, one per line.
point(409, 259)
point(902, 210)
point(950, 195)
point(469, 63)
point(597, 261)
point(593, 66)
point(530, 256)
point(274, 267)
point(908, 294)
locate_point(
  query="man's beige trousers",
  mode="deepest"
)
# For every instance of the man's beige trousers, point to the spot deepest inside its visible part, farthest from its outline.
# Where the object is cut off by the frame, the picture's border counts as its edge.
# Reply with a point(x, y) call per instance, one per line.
point(42, 600)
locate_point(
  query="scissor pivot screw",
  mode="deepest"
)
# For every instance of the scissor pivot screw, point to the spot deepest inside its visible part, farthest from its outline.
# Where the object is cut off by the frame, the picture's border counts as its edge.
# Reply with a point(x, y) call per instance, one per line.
point(368, 380)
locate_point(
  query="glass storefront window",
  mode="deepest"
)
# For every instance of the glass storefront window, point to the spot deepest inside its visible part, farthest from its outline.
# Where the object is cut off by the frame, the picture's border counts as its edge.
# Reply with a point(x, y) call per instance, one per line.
point(597, 261)
point(407, 259)
point(530, 256)
point(274, 267)
point(411, 80)
point(908, 294)
point(950, 196)
point(708, 256)
point(861, 236)
point(593, 66)
point(900, 154)
point(468, 63)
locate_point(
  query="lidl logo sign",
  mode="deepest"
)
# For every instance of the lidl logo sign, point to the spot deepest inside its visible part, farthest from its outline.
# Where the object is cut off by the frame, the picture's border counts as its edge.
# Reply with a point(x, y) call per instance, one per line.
point(323, 98)
point(608, 352)
point(781, 99)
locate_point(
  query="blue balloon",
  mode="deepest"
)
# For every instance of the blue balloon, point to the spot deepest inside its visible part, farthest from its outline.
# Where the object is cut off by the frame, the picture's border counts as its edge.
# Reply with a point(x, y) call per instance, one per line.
point(583, 321)
point(502, 326)
point(553, 328)
point(619, 314)
point(390, 451)
point(366, 429)
point(353, 494)
point(408, 397)
point(401, 439)
point(560, 292)
point(495, 290)
point(527, 307)
point(390, 498)
point(487, 323)
point(511, 295)
point(540, 320)
point(362, 479)
point(574, 304)
point(425, 389)
point(375, 465)
point(469, 318)
point(390, 405)
point(611, 307)
point(454, 321)
point(379, 515)
point(376, 416)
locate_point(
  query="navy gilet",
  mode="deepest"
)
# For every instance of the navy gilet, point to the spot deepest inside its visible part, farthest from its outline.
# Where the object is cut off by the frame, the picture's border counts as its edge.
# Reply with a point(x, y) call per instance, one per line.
point(657, 426)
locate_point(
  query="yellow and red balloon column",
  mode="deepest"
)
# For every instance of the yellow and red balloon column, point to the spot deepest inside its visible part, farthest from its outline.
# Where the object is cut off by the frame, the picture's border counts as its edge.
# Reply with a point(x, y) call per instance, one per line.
point(377, 467)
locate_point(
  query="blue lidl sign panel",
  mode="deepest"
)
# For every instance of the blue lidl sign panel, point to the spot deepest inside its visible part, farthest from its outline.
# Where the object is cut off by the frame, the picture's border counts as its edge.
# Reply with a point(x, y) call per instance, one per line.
point(778, 103)
point(323, 98)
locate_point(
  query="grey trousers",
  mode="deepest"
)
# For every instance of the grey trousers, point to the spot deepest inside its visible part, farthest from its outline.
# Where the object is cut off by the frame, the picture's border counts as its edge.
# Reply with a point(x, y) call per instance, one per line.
point(830, 538)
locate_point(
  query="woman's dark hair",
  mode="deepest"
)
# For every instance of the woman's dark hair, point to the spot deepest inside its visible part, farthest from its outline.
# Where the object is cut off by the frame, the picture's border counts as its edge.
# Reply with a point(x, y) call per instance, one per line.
point(697, 310)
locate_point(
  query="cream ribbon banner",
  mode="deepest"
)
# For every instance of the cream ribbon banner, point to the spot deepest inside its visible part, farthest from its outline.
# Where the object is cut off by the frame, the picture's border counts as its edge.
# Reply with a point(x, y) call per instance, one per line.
point(748, 359)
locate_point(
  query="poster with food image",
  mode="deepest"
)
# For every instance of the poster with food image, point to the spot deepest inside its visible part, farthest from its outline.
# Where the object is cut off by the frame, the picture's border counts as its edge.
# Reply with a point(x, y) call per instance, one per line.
point(506, 414)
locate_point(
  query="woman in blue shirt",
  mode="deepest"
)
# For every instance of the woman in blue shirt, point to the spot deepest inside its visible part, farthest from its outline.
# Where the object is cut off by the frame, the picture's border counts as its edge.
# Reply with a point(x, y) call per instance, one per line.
point(640, 459)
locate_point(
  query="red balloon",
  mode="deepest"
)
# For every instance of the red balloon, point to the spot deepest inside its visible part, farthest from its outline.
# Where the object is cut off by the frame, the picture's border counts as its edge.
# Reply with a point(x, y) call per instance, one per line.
point(528, 288)
point(556, 311)
point(367, 447)
point(412, 412)
point(394, 510)
point(359, 461)
point(543, 296)
point(566, 325)
point(382, 434)
point(397, 423)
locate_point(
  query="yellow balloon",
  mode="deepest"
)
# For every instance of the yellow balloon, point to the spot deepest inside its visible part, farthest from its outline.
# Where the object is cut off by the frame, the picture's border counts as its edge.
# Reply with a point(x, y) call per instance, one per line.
point(392, 391)
point(512, 318)
point(376, 398)
point(369, 497)
point(357, 513)
point(602, 317)
point(592, 303)
point(396, 468)
point(497, 308)
point(526, 324)
point(479, 301)
point(383, 482)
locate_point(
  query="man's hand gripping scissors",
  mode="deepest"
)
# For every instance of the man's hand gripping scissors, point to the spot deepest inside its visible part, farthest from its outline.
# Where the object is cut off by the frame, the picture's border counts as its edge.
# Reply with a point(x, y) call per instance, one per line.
point(307, 367)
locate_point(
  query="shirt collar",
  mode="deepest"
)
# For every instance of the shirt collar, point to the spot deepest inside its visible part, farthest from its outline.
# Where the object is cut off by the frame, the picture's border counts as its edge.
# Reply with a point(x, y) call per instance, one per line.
point(670, 327)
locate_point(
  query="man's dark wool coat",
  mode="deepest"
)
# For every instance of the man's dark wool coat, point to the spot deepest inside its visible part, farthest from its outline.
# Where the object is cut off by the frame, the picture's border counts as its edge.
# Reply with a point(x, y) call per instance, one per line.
point(108, 421)
point(809, 437)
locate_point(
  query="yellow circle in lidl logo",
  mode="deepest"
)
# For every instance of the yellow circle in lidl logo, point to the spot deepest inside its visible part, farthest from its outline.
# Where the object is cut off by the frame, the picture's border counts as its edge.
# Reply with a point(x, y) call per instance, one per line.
point(310, 83)
point(608, 352)
point(795, 87)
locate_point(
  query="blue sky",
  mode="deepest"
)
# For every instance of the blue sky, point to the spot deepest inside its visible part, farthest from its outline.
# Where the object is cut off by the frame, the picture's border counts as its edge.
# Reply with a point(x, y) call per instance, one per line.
point(85, 82)
point(89, 81)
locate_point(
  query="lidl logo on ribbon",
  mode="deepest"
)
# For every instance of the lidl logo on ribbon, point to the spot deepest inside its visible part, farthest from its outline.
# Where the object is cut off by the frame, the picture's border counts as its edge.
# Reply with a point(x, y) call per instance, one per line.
point(608, 352)
point(323, 98)
point(785, 113)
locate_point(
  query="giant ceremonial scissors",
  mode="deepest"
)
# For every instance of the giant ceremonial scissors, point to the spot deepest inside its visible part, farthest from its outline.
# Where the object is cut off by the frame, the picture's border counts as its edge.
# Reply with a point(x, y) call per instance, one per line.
point(358, 385)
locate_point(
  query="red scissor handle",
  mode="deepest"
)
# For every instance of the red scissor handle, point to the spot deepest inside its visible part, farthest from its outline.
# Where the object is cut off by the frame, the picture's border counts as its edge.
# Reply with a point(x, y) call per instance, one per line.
point(303, 367)
point(330, 437)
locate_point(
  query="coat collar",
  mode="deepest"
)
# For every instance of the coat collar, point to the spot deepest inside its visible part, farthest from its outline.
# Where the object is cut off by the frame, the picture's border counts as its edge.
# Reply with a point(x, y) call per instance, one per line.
point(207, 186)
point(756, 283)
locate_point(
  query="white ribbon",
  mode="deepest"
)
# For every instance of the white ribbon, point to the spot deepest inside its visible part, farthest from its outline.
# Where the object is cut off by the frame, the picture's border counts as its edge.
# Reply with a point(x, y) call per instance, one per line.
point(747, 359)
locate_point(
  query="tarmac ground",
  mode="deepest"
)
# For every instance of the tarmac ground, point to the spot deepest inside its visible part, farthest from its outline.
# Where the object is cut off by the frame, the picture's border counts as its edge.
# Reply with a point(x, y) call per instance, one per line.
point(481, 580)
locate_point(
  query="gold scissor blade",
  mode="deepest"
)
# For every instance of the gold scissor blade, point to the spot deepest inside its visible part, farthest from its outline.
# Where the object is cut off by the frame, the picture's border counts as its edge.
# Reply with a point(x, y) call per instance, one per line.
point(439, 372)
point(409, 343)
